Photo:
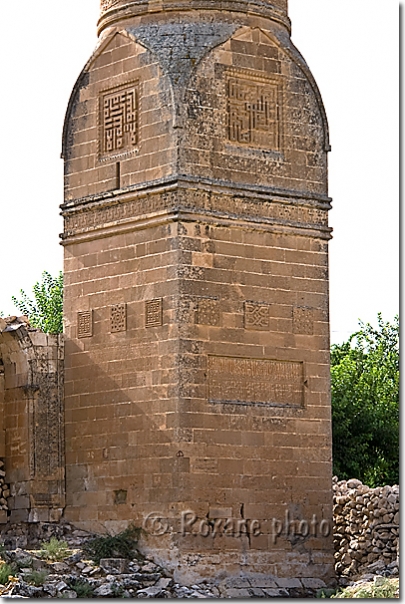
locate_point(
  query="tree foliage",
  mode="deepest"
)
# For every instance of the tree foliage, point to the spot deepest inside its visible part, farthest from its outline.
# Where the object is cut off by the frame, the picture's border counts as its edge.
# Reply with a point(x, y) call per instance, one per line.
point(45, 311)
point(365, 404)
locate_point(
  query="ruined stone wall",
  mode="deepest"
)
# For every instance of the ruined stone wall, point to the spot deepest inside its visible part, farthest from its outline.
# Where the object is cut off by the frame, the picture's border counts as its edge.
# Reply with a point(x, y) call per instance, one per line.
point(31, 407)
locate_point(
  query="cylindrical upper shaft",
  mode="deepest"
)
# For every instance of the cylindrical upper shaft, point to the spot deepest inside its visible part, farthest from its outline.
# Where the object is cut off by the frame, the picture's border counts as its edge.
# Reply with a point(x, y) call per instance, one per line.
point(116, 11)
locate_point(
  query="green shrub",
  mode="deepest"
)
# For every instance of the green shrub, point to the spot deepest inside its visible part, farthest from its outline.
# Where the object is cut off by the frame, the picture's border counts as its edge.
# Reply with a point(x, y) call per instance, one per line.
point(81, 587)
point(122, 545)
point(6, 570)
point(45, 311)
point(365, 405)
point(36, 577)
point(54, 550)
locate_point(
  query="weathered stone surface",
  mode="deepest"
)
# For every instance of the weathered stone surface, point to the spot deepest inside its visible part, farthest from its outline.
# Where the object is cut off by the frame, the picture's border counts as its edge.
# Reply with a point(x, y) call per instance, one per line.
point(66, 577)
point(196, 305)
point(196, 230)
point(114, 566)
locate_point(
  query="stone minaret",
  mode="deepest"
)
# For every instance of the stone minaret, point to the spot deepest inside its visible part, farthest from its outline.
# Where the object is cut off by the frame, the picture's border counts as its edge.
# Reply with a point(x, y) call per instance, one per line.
point(196, 311)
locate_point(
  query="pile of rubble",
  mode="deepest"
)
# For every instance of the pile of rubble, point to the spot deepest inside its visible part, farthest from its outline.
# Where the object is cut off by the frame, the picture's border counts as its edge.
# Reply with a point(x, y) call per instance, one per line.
point(366, 533)
point(365, 536)
point(78, 576)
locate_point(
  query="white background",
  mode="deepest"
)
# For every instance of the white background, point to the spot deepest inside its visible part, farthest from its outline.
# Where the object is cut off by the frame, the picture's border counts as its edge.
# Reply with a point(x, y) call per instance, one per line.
point(351, 47)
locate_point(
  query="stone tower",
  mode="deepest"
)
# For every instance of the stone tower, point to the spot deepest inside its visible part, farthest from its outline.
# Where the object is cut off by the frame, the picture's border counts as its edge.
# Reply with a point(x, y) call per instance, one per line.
point(196, 275)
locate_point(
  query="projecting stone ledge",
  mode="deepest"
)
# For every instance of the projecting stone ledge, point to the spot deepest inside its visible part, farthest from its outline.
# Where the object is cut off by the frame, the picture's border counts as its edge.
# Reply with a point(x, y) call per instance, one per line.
point(273, 588)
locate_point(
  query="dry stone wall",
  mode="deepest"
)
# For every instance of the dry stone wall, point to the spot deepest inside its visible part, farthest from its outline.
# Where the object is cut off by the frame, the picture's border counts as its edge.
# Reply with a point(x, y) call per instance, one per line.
point(4, 492)
point(366, 525)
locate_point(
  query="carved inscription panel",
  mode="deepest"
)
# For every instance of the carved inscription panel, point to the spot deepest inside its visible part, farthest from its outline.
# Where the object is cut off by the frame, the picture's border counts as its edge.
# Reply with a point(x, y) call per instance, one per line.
point(255, 381)
point(253, 112)
point(119, 128)
point(85, 324)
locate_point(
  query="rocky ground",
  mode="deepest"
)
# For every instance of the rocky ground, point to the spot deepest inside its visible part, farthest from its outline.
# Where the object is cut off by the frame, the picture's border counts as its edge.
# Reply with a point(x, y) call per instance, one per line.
point(76, 576)
point(366, 536)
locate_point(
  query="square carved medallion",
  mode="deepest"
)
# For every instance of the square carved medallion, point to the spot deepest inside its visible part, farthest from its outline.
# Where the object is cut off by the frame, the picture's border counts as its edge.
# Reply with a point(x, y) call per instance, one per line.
point(119, 121)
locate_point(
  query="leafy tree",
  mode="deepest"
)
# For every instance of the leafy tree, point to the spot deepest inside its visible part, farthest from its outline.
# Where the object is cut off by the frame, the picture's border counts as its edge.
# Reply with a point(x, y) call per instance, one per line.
point(46, 310)
point(365, 404)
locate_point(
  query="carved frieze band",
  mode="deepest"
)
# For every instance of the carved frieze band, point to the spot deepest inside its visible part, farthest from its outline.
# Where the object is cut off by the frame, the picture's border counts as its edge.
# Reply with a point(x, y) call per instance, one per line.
point(282, 213)
point(243, 381)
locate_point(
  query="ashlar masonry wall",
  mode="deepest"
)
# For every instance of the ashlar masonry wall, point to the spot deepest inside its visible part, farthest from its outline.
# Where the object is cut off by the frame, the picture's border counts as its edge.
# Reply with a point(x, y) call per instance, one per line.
point(196, 291)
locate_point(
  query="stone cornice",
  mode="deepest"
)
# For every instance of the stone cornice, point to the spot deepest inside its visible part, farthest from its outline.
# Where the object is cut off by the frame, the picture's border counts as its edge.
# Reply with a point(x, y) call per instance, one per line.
point(190, 200)
point(126, 9)
point(263, 192)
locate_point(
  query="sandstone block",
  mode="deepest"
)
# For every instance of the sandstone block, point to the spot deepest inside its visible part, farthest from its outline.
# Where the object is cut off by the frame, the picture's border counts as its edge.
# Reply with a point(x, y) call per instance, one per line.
point(114, 566)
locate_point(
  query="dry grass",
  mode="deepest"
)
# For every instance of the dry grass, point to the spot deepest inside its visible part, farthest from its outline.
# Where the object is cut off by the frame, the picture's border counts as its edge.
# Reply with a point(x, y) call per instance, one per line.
point(381, 587)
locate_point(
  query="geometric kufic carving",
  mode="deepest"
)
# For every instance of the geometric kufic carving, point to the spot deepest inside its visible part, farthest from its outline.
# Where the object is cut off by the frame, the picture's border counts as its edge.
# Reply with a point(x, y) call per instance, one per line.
point(303, 320)
point(241, 381)
point(154, 313)
point(119, 119)
point(257, 316)
point(253, 112)
point(85, 324)
point(207, 312)
point(118, 318)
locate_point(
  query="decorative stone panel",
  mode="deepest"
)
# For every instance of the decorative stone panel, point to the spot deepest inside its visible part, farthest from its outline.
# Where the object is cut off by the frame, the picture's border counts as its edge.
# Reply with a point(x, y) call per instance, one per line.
point(208, 311)
point(257, 316)
point(118, 318)
point(303, 320)
point(119, 121)
point(85, 324)
point(255, 381)
point(154, 313)
point(254, 107)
